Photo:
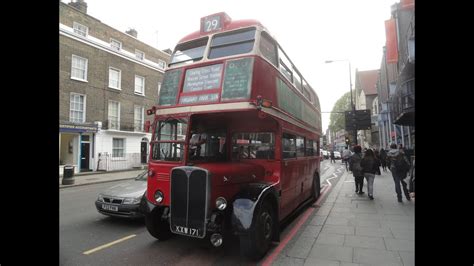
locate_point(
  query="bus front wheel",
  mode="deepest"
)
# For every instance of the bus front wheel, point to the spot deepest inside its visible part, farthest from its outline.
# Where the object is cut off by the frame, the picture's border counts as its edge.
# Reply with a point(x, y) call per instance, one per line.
point(157, 227)
point(256, 243)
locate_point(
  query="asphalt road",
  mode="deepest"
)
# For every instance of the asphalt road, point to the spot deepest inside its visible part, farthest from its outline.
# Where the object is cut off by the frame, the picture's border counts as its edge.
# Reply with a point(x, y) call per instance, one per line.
point(83, 229)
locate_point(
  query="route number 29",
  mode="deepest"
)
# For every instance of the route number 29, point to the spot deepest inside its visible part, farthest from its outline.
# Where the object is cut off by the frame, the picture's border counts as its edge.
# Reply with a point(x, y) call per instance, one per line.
point(212, 24)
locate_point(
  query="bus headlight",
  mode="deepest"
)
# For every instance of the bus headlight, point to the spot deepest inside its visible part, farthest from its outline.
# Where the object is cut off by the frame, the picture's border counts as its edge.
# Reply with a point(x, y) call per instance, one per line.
point(221, 203)
point(159, 196)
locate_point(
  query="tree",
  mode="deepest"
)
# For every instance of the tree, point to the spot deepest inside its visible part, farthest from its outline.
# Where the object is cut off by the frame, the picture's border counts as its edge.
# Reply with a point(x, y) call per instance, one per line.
point(336, 121)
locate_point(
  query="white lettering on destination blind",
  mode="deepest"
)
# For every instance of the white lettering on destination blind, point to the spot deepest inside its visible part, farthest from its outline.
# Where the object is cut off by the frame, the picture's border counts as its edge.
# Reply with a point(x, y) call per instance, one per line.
point(203, 78)
point(199, 98)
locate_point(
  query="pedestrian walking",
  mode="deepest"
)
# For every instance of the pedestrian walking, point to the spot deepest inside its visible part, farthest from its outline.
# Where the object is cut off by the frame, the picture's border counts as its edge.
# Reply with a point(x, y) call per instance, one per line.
point(356, 169)
point(370, 167)
point(346, 154)
point(383, 159)
point(399, 167)
point(332, 157)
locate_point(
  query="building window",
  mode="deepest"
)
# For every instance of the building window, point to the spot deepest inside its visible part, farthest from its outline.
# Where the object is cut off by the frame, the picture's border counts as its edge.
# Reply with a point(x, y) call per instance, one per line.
point(114, 78)
point(114, 115)
point(139, 54)
point(79, 68)
point(161, 64)
point(118, 148)
point(139, 85)
point(80, 29)
point(138, 118)
point(116, 45)
point(77, 108)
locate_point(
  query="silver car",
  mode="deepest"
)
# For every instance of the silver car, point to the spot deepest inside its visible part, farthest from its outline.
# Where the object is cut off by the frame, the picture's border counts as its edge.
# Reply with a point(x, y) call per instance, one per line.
point(123, 200)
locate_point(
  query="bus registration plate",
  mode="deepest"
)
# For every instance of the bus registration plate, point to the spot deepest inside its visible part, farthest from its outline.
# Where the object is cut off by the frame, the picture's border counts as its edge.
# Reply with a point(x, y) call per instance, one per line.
point(187, 231)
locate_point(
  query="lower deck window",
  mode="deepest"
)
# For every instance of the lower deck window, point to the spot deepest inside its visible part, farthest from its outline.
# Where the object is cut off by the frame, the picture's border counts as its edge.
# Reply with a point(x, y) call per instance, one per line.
point(256, 145)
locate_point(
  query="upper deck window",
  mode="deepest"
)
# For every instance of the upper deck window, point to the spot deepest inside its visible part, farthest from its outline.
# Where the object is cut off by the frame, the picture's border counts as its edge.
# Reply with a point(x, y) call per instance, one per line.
point(268, 48)
point(189, 51)
point(232, 43)
point(285, 65)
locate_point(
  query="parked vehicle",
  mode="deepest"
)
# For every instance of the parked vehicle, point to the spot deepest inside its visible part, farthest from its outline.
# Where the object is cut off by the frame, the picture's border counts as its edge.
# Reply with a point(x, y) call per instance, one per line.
point(325, 154)
point(337, 155)
point(123, 200)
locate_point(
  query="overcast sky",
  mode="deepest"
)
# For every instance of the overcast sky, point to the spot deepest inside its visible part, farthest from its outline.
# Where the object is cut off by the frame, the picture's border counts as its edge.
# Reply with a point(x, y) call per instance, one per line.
point(310, 31)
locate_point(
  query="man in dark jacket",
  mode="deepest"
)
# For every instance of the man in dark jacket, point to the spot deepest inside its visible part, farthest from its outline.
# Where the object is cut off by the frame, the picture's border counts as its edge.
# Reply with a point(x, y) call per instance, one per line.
point(356, 169)
point(398, 174)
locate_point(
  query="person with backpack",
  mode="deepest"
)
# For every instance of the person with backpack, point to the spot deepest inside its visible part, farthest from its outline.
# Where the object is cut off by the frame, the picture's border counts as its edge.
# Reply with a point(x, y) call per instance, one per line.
point(370, 166)
point(399, 167)
point(356, 169)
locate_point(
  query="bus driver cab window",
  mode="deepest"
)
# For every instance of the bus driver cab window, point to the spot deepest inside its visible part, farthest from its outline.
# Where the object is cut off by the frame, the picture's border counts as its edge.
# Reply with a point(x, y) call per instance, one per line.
point(197, 143)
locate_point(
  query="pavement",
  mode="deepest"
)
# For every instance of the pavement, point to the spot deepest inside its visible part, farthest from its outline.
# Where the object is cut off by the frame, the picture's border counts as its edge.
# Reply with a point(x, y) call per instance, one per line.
point(349, 229)
point(344, 229)
point(87, 178)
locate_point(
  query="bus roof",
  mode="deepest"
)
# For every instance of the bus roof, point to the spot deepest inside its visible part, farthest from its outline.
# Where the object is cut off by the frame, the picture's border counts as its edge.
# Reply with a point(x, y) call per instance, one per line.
point(231, 26)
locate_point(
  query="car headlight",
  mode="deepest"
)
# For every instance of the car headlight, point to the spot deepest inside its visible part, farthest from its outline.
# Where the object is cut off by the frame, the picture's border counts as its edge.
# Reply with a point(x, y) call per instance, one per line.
point(221, 203)
point(101, 198)
point(159, 196)
point(131, 200)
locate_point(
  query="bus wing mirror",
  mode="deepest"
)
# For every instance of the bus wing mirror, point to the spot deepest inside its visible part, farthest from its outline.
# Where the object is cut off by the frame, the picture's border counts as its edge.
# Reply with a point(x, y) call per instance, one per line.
point(147, 126)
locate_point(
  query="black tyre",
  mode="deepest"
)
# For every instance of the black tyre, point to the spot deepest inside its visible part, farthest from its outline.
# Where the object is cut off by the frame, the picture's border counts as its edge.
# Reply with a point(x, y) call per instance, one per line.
point(255, 244)
point(316, 191)
point(158, 228)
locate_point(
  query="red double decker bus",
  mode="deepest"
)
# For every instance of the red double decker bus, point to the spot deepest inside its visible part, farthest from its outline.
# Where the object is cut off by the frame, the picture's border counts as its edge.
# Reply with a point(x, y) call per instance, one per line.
point(235, 146)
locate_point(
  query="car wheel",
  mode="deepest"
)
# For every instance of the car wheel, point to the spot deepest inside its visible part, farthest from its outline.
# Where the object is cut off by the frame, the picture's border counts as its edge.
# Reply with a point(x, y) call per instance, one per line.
point(257, 242)
point(156, 226)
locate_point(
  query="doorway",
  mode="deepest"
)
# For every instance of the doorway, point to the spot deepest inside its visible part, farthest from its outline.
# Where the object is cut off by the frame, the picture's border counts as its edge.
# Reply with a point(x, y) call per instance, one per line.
point(144, 151)
point(85, 148)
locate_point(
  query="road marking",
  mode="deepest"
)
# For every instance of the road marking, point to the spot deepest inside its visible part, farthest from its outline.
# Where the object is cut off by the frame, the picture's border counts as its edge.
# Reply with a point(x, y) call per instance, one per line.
point(108, 245)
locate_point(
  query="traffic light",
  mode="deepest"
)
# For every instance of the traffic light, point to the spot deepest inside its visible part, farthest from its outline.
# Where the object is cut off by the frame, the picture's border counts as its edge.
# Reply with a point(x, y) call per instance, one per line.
point(347, 141)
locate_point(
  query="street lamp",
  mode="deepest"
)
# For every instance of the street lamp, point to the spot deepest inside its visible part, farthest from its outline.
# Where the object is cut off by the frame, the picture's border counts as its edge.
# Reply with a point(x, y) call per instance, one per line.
point(350, 89)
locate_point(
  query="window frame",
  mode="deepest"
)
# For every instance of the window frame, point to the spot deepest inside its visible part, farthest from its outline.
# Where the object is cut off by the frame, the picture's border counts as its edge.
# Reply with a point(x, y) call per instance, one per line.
point(232, 43)
point(142, 118)
point(119, 78)
point(161, 62)
point(76, 28)
point(118, 115)
point(121, 148)
point(283, 151)
point(137, 52)
point(84, 70)
point(83, 107)
point(114, 47)
point(266, 36)
point(135, 85)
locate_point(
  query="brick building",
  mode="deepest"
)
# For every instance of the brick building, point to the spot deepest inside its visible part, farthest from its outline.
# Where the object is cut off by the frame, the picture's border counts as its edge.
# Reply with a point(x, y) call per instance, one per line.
point(107, 81)
point(366, 96)
point(396, 81)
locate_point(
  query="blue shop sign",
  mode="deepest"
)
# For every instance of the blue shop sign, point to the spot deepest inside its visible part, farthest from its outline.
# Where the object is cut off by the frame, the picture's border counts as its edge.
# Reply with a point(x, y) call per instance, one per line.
point(78, 128)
